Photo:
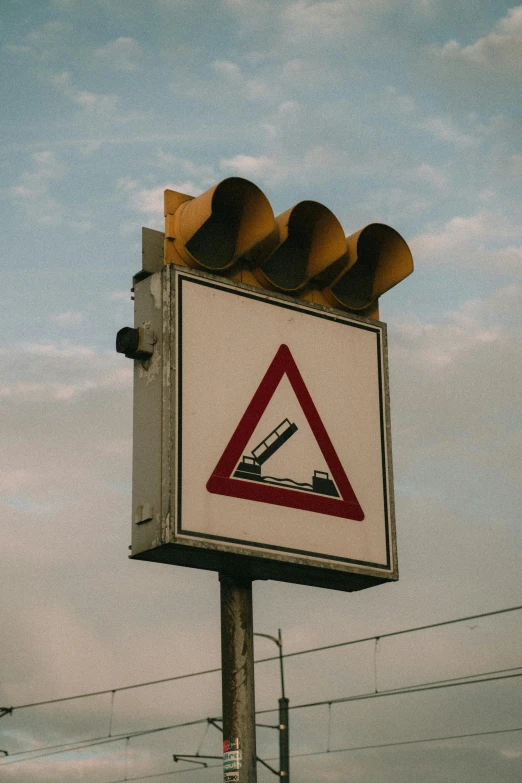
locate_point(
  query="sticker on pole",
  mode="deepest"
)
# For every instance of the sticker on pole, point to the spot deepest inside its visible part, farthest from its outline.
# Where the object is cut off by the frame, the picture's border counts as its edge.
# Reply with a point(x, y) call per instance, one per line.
point(232, 760)
point(243, 472)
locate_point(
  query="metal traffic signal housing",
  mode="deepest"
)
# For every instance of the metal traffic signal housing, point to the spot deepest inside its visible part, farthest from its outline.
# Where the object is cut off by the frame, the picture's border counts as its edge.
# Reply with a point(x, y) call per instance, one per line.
point(231, 230)
point(377, 259)
point(214, 230)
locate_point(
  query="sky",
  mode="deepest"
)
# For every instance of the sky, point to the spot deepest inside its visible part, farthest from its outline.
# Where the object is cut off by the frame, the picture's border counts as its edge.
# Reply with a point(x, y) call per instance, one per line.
point(405, 112)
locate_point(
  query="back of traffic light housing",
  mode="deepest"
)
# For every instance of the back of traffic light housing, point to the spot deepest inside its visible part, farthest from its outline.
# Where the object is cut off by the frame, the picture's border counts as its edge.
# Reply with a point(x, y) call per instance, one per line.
point(231, 230)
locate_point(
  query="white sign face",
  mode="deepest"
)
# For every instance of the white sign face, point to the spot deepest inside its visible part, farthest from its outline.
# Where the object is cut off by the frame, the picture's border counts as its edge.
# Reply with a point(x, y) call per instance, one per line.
point(281, 419)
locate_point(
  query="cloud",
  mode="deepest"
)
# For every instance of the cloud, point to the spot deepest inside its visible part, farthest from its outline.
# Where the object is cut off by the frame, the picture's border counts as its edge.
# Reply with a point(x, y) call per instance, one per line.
point(67, 318)
point(444, 129)
point(103, 104)
point(33, 189)
point(320, 162)
point(43, 43)
point(228, 69)
point(467, 334)
point(499, 52)
point(46, 41)
point(98, 106)
point(331, 21)
point(322, 20)
point(444, 342)
point(123, 54)
point(251, 166)
point(120, 296)
point(203, 173)
point(230, 75)
point(430, 174)
point(477, 241)
point(58, 372)
point(149, 201)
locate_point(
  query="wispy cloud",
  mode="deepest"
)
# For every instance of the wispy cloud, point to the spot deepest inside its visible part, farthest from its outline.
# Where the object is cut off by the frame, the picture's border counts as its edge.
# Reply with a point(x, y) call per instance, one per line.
point(123, 54)
point(98, 106)
point(67, 318)
point(477, 241)
point(149, 201)
point(59, 372)
point(33, 189)
point(445, 129)
point(499, 51)
point(431, 175)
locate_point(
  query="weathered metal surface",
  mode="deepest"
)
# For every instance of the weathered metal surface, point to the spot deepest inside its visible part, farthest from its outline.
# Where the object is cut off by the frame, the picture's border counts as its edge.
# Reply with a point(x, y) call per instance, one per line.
point(147, 418)
point(231, 229)
point(156, 454)
point(237, 660)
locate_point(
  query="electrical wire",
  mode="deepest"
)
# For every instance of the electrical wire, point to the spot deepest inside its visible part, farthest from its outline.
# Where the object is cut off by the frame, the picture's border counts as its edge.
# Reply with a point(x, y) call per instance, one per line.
point(271, 658)
point(405, 742)
point(165, 774)
point(339, 750)
point(396, 692)
point(359, 697)
point(82, 745)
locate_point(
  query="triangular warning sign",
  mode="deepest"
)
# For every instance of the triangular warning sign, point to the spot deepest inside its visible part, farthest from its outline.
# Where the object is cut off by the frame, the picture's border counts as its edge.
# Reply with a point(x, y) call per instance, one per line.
point(250, 485)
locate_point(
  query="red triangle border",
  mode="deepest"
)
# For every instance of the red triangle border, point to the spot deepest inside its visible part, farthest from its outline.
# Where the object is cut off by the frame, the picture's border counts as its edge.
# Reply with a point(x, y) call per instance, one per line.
point(222, 483)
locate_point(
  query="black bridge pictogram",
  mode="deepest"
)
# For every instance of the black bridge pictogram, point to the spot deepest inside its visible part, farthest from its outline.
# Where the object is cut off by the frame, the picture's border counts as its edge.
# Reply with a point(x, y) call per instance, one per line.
point(250, 466)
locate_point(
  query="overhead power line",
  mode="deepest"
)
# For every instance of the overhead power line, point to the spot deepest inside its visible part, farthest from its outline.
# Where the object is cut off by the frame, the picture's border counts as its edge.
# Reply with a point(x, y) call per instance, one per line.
point(66, 747)
point(82, 745)
point(270, 658)
point(407, 742)
point(395, 692)
point(337, 750)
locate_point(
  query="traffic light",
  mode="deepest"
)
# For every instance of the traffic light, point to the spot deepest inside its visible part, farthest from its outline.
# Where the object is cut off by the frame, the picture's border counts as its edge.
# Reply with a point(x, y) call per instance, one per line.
point(231, 230)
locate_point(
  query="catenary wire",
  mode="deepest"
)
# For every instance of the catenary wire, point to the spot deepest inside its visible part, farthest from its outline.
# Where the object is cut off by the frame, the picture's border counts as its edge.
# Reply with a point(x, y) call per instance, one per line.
point(404, 742)
point(82, 745)
point(341, 700)
point(337, 750)
point(397, 691)
point(271, 658)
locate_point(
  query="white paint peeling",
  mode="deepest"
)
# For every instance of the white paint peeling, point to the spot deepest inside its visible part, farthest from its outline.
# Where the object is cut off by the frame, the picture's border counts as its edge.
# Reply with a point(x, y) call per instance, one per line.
point(150, 370)
point(155, 289)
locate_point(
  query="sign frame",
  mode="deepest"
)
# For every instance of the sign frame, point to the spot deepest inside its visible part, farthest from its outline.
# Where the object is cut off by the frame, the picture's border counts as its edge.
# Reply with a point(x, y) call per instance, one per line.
point(157, 445)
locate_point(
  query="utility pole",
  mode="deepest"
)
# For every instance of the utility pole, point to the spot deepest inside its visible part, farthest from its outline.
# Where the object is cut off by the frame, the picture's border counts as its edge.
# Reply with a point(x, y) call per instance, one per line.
point(284, 732)
point(284, 739)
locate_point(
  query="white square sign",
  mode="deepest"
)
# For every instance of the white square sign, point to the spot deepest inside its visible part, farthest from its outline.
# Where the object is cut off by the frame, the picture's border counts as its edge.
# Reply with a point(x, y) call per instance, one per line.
point(281, 450)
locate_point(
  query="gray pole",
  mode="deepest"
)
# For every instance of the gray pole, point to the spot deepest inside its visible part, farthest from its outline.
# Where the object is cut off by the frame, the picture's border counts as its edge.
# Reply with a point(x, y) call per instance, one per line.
point(284, 740)
point(237, 661)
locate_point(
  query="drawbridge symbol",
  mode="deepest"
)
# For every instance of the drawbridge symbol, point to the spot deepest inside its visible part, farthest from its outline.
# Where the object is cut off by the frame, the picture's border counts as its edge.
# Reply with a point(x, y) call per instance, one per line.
point(240, 475)
point(250, 467)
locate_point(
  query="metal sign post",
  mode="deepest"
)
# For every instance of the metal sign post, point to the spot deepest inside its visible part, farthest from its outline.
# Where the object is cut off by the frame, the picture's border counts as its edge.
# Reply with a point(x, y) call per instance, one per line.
point(238, 693)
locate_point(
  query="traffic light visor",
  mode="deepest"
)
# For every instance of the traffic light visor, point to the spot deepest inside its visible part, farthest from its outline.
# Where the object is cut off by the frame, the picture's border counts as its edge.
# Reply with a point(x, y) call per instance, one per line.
point(213, 230)
point(310, 240)
point(378, 259)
